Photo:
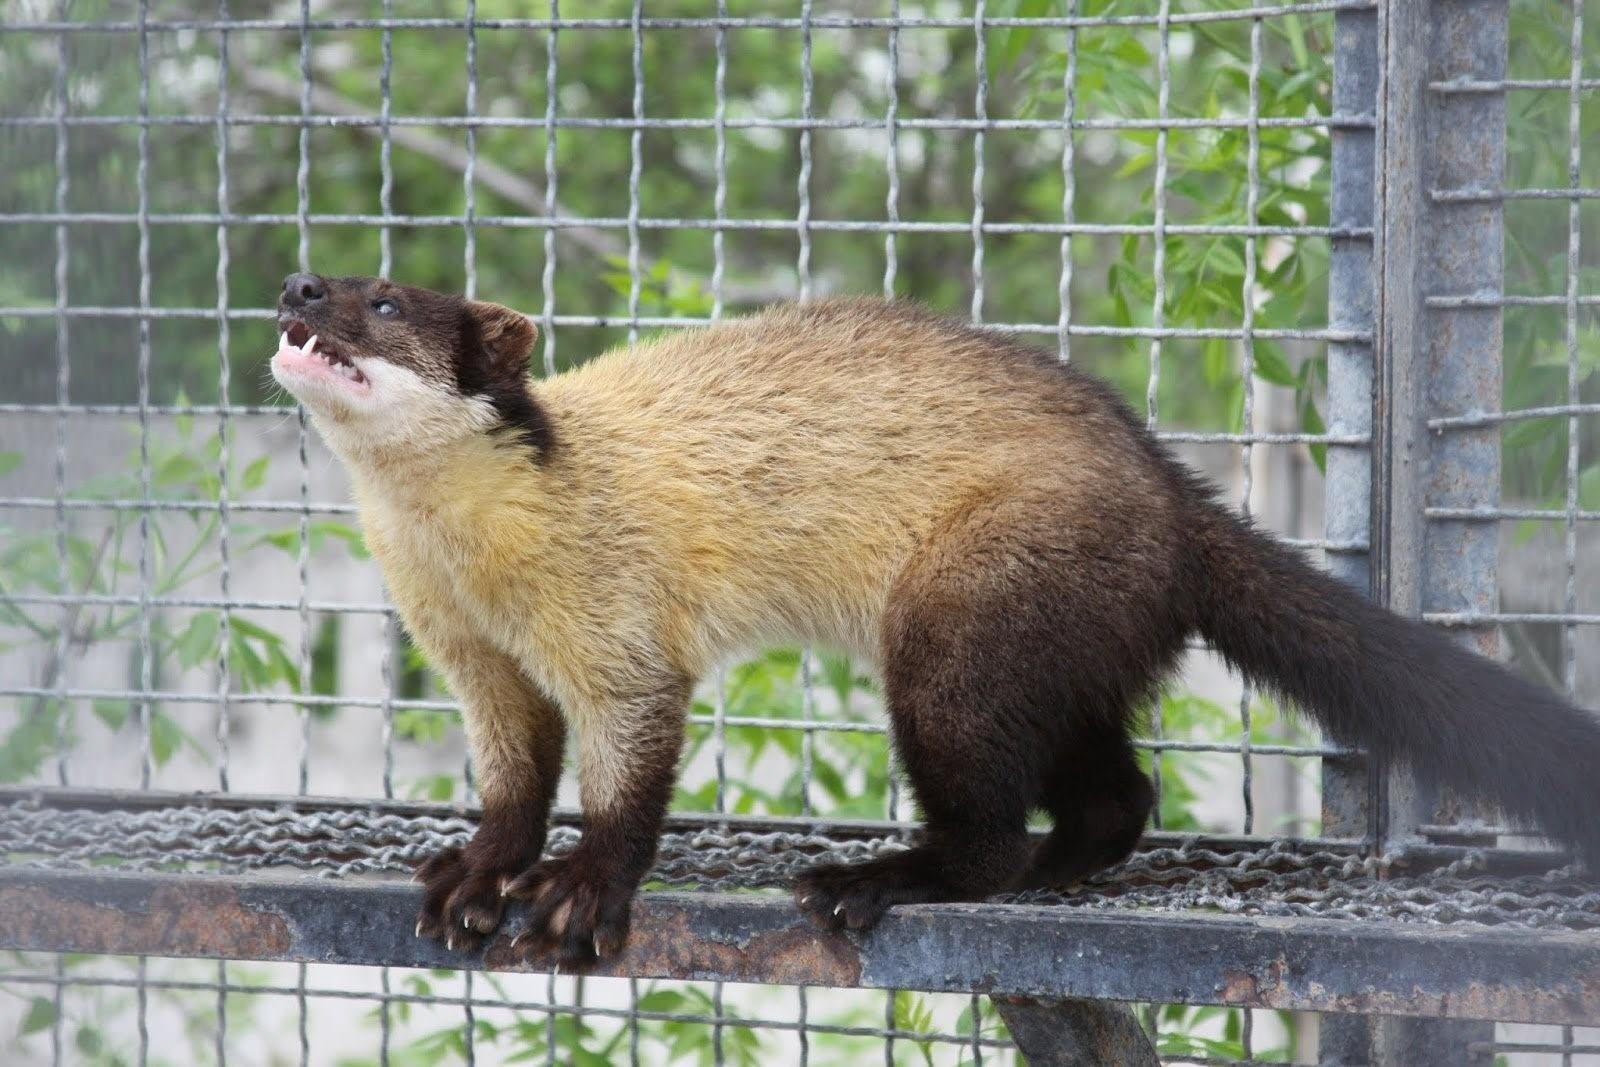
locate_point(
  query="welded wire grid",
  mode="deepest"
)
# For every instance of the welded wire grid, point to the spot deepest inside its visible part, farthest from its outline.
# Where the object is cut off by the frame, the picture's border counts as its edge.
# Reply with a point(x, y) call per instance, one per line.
point(1546, 438)
point(297, 85)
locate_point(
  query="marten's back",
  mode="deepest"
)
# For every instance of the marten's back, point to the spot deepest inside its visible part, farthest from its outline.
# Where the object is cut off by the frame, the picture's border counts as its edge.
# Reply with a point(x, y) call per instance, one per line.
point(791, 461)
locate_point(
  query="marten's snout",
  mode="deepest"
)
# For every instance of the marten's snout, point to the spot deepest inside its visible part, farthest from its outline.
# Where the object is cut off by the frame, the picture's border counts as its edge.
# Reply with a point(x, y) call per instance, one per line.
point(303, 289)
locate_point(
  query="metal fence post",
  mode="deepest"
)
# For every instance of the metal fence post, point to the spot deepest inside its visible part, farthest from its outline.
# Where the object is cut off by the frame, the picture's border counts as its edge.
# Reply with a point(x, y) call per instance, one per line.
point(1346, 808)
point(1348, 803)
point(1436, 360)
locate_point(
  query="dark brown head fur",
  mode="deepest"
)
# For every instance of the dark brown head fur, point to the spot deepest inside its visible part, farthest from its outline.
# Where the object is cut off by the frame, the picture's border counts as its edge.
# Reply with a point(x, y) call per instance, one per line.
point(475, 347)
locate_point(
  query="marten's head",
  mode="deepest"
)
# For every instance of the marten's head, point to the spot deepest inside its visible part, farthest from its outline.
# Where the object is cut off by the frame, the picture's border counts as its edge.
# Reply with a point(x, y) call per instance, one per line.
point(385, 367)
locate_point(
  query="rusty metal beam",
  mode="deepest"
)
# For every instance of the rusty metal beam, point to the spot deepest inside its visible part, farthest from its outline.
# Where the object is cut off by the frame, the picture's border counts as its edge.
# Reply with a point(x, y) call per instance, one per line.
point(1324, 965)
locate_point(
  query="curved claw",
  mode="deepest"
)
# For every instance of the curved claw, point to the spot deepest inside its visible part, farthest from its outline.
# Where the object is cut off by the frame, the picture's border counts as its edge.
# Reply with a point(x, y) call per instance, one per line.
point(461, 902)
point(578, 909)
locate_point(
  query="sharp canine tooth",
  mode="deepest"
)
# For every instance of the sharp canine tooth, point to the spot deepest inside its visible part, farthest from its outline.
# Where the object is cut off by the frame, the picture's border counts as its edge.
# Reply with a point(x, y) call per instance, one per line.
point(311, 346)
point(283, 339)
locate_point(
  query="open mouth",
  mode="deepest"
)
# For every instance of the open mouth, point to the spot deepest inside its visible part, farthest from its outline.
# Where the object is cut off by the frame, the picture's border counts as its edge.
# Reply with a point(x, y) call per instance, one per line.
point(297, 342)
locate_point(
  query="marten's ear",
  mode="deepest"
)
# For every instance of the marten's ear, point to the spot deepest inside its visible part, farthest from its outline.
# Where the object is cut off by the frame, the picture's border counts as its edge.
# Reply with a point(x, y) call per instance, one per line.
point(507, 335)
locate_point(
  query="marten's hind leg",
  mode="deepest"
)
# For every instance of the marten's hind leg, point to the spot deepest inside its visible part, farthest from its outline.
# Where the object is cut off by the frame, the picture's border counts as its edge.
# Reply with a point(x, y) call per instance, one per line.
point(1009, 638)
point(1098, 799)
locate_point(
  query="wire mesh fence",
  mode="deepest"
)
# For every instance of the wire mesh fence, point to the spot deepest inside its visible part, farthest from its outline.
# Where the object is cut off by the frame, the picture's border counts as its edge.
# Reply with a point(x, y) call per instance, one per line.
point(1180, 197)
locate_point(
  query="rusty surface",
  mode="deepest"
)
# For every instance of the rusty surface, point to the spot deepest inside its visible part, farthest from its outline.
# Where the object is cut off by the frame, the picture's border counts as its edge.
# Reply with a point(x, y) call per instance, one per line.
point(1325, 965)
point(207, 920)
point(683, 942)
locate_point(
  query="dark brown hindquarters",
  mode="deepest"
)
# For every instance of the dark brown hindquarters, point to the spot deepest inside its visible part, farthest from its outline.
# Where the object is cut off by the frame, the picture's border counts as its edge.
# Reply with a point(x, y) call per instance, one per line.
point(1017, 644)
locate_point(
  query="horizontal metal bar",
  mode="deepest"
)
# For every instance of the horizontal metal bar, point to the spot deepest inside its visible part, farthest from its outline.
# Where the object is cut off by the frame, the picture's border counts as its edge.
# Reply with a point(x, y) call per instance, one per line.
point(1477, 419)
point(69, 981)
point(276, 411)
point(816, 22)
point(1474, 828)
point(560, 222)
point(618, 122)
point(312, 507)
point(1051, 329)
point(1507, 514)
point(1474, 196)
point(45, 503)
point(283, 410)
point(1204, 437)
point(319, 700)
point(1500, 85)
point(128, 600)
point(1494, 618)
point(1325, 965)
point(1265, 437)
point(1549, 1049)
point(1502, 300)
point(1234, 748)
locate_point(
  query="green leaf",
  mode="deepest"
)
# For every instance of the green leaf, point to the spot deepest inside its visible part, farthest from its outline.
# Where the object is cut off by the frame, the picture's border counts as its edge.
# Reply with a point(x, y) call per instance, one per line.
point(165, 738)
point(41, 1014)
point(88, 1041)
point(114, 713)
point(255, 475)
point(661, 1000)
point(1271, 366)
point(198, 642)
point(1311, 422)
point(29, 743)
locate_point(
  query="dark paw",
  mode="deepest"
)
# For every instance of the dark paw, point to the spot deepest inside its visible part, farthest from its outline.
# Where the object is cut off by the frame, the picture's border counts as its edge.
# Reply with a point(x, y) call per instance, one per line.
point(854, 896)
point(1050, 870)
point(578, 910)
point(461, 902)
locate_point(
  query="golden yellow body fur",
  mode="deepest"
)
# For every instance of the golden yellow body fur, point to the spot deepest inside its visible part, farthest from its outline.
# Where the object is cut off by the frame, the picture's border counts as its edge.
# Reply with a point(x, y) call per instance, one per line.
point(710, 492)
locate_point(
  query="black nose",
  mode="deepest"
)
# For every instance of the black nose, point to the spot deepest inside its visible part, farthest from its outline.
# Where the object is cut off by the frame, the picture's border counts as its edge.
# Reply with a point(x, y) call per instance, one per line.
point(302, 289)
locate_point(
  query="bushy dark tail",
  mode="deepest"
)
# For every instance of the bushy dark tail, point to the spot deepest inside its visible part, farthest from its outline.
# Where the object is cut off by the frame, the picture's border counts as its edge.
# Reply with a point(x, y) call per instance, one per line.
point(1396, 687)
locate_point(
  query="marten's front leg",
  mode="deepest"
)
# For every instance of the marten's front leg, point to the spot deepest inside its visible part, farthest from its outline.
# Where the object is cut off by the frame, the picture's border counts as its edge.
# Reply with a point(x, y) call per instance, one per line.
point(516, 736)
point(628, 748)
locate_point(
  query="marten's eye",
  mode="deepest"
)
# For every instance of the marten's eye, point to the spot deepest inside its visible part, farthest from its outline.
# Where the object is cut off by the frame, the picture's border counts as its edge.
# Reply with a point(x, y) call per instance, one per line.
point(386, 308)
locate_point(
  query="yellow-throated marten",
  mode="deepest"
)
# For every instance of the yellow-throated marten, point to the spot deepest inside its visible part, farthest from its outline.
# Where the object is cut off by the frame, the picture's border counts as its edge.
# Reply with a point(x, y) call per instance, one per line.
point(993, 530)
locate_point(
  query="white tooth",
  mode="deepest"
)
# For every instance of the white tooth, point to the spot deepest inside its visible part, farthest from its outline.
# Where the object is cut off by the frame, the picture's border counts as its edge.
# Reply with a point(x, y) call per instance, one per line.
point(283, 339)
point(311, 345)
